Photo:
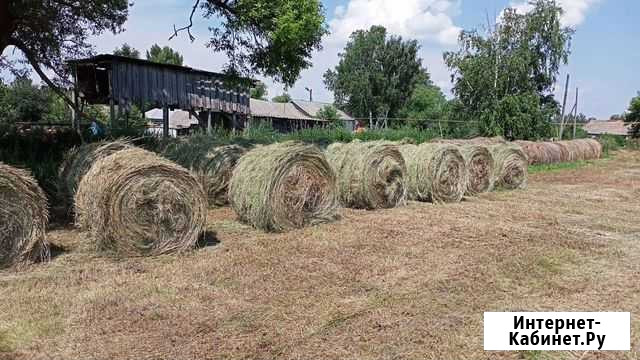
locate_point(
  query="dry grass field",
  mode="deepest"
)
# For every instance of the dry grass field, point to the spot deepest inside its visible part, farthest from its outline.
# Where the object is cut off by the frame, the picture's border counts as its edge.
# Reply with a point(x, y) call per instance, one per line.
point(406, 283)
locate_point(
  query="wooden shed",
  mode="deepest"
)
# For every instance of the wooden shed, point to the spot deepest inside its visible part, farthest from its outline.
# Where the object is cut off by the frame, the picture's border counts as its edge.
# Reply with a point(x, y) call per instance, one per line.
point(122, 81)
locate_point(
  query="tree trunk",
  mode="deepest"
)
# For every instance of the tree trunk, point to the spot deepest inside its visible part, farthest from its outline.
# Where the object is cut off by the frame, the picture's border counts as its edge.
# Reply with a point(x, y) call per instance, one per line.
point(7, 25)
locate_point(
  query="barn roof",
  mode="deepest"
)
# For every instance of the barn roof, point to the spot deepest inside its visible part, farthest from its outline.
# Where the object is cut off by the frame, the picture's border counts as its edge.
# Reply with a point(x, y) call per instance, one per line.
point(601, 127)
point(311, 108)
point(268, 109)
point(124, 59)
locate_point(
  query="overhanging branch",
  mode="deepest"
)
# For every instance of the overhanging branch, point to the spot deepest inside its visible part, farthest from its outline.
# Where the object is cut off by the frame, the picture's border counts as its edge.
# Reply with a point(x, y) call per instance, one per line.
point(188, 27)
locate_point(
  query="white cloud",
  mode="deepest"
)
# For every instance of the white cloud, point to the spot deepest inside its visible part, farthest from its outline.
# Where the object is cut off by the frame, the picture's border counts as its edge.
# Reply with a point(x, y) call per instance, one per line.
point(418, 19)
point(575, 11)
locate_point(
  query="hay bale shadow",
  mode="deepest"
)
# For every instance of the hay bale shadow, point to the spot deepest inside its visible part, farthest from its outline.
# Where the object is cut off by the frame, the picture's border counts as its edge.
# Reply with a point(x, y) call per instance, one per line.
point(208, 238)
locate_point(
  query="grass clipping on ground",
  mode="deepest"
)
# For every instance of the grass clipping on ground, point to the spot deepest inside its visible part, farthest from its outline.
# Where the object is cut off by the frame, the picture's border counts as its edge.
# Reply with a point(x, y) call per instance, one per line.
point(283, 186)
point(371, 175)
point(215, 169)
point(511, 166)
point(136, 203)
point(23, 218)
point(77, 163)
point(436, 172)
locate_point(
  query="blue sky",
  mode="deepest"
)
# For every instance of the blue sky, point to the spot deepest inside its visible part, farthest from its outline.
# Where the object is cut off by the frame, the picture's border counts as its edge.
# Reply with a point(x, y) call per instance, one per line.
point(603, 63)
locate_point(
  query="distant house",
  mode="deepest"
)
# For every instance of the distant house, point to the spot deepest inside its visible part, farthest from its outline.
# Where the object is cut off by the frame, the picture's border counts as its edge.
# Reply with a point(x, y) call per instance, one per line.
point(292, 116)
point(180, 122)
point(610, 127)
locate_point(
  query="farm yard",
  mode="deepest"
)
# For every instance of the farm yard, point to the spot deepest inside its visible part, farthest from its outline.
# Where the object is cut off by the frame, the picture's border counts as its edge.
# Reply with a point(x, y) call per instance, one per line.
point(407, 282)
point(319, 179)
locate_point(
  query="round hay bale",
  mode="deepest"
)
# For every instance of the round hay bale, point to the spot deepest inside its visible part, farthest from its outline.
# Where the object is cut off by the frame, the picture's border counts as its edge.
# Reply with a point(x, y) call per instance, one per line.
point(480, 168)
point(283, 186)
point(511, 166)
point(371, 175)
point(77, 163)
point(23, 218)
point(435, 172)
point(214, 172)
point(135, 203)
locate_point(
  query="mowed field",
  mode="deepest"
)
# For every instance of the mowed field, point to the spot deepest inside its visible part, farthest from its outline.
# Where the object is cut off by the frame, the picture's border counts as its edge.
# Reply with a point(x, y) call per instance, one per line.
point(406, 283)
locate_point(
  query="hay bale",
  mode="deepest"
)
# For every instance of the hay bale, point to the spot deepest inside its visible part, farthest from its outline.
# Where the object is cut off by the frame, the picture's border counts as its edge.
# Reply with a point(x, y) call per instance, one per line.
point(480, 168)
point(135, 203)
point(511, 166)
point(435, 172)
point(283, 186)
point(214, 172)
point(23, 218)
point(371, 175)
point(77, 163)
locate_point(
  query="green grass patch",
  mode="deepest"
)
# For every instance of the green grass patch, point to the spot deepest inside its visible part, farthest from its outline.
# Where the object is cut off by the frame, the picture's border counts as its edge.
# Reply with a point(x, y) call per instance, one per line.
point(561, 166)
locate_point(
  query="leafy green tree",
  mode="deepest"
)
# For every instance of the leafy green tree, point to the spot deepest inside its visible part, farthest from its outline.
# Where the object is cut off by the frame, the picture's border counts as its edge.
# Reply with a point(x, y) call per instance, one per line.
point(330, 114)
point(49, 32)
point(283, 98)
point(512, 71)
point(164, 55)
point(22, 101)
point(127, 50)
point(426, 106)
point(376, 74)
point(633, 116)
point(274, 38)
point(259, 91)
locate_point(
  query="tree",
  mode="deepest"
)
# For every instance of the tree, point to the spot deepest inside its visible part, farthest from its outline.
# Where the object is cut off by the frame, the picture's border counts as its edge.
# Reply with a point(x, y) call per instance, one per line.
point(164, 55)
point(49, 32)
point(127, 51)
point(274, 38)
point(633, 116)
point(427, 105)
point(283, 98)
point(330, 114)
point(512, 70)
point(22, 101)
point(259, 91)
point(375, 75)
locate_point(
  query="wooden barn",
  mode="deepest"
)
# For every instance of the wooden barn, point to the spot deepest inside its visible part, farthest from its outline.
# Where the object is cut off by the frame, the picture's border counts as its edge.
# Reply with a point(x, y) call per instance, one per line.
point(120, 82)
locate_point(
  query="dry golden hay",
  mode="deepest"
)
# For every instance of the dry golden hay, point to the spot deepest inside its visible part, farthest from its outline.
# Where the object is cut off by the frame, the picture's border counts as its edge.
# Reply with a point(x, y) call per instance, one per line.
point(283, 186)
point(435, 172)
point(23, 218)
point(480, 168)
point(561, 151)
point(77, 163)
point(511, 166)
point(214, 172)
point(371, 175)
point(135, 203)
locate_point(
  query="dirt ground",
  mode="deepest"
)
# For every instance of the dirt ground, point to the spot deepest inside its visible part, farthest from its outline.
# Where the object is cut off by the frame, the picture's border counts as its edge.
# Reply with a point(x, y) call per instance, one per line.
point(406, 283)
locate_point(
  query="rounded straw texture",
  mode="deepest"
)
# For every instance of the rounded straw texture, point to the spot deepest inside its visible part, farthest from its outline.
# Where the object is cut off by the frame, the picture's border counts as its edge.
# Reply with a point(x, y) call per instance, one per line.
point(283, 186)
point(436, 172)
point(371, 175)
point(480, 167)
point(23, 218)
point(511, 166)
point(77, 163)
point(135, 203)
point(561, 151)
point(214, 172)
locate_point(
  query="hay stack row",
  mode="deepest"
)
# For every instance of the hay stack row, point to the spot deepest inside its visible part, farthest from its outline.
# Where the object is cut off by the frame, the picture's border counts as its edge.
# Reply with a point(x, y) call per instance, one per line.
point(561, 151)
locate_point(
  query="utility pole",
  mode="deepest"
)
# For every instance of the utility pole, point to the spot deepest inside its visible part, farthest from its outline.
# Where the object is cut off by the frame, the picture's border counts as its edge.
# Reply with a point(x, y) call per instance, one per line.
point(310, 93)
point(575, 114)
point(564, 105)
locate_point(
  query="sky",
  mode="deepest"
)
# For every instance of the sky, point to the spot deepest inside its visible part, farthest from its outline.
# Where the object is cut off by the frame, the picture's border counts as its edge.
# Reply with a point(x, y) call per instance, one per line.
point(603, 63)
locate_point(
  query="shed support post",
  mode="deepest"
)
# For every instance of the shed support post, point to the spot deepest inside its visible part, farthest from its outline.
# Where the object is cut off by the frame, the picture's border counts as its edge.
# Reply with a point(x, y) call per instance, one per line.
point(209, 125)
point(112, 113)
point(165, 120)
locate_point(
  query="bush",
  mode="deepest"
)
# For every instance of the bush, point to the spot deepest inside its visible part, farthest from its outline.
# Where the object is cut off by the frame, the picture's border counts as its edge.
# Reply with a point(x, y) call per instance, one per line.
point(611, 143)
